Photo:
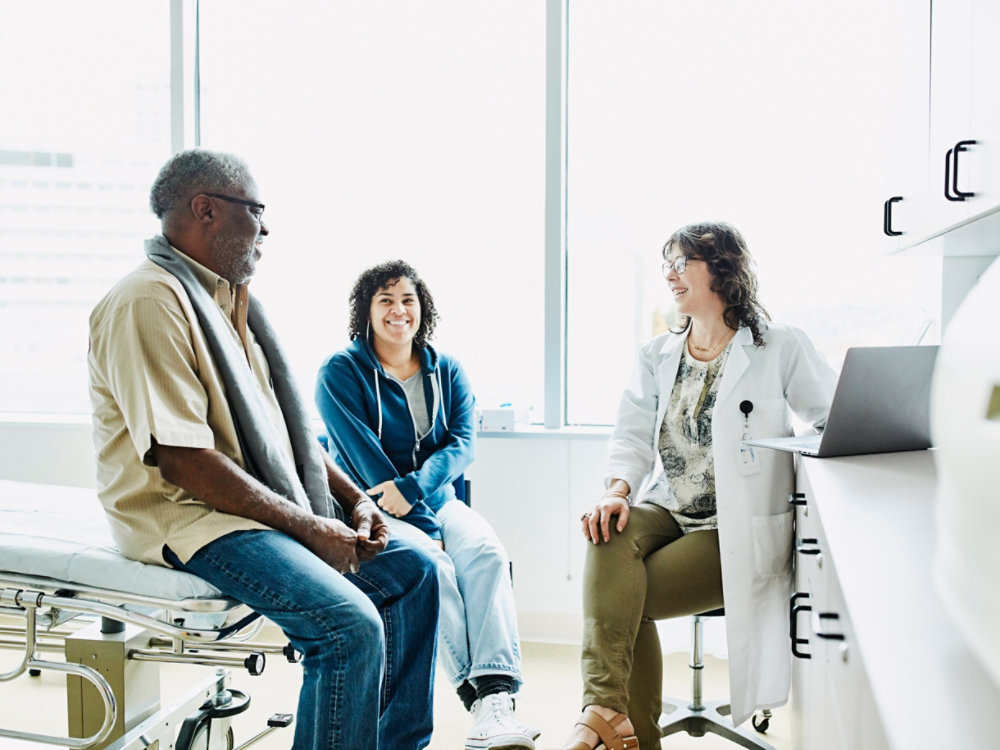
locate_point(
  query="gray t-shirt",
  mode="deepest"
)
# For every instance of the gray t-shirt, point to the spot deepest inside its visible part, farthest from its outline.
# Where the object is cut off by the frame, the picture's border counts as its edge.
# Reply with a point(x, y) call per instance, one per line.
point(413, 387)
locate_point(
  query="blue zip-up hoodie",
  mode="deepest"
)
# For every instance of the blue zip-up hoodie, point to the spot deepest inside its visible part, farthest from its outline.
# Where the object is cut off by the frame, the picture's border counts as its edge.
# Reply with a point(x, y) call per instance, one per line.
point(373, 437)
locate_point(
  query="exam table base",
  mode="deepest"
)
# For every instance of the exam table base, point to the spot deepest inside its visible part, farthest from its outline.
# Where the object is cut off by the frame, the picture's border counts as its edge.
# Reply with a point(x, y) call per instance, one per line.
point(135, 684)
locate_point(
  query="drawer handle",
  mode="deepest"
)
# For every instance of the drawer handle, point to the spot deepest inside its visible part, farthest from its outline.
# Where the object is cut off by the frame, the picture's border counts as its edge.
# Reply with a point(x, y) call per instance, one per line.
point(818, 621)
point(808, 546)
point(793, 626)
point(797, 498)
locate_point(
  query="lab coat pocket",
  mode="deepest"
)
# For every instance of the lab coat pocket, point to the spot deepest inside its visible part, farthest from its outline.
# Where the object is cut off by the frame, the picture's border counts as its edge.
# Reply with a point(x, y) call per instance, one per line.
point(772, 544)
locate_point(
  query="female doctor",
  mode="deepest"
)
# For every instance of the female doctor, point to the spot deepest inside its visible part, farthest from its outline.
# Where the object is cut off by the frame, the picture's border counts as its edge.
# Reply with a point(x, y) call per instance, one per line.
point(691, 519)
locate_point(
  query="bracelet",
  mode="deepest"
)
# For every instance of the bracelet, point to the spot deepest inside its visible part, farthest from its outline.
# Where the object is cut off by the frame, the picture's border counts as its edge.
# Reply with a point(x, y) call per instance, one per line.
point(617, 494)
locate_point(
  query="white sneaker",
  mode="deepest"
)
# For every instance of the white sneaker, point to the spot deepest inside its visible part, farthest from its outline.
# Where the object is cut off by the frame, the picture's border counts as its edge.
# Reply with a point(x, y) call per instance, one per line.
point(495, 727)
point(526, 728)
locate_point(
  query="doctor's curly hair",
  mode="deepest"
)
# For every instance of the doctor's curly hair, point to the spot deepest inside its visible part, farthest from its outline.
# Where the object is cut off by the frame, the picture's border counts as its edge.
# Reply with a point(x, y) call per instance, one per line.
point(383, 276)
point(732, 269)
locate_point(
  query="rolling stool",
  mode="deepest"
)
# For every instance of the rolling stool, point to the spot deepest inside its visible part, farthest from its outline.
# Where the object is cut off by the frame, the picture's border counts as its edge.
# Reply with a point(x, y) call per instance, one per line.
point(698, 718)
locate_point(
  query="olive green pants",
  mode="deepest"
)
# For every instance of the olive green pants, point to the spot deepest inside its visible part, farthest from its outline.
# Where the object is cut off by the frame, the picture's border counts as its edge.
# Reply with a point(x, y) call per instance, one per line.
point(651, 571)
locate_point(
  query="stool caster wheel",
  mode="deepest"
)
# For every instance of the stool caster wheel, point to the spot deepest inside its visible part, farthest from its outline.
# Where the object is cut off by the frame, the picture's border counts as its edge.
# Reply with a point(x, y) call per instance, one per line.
point(34, 672)
point(762, 725)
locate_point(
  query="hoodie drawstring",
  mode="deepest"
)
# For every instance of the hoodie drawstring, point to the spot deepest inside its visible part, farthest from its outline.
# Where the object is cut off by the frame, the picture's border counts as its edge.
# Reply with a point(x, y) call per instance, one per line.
point(378, 402)
point(438, 406)
point(440, 400)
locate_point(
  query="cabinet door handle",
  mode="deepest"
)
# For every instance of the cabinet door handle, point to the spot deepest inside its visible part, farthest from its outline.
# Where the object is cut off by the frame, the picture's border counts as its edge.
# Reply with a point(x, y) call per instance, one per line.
point(959, 148)
point(793, 627)
point(797, 498)
point(947, 176)
point(887, 216)
point(808, 546)
point(818, 621)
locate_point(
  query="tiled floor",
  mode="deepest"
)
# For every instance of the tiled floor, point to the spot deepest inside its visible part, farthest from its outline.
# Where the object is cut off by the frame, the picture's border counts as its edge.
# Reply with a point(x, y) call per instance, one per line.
point(549, 700)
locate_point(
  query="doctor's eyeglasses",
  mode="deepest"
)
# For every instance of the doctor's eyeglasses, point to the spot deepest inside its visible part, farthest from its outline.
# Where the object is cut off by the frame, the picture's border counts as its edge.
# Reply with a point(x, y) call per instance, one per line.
point(678, 264)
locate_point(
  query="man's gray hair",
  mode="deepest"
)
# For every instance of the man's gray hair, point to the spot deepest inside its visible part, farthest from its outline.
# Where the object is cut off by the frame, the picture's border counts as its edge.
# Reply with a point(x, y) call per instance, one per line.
point(188, 173)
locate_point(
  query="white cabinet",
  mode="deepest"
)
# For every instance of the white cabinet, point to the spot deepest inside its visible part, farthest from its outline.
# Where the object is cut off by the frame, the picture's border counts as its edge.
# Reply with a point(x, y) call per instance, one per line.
point(901, 676)
point(985, 165)
point(906, 129)
point(964, 163)
point(941, 180)
point(828, 678)
point(942, 133)
point(950, 112)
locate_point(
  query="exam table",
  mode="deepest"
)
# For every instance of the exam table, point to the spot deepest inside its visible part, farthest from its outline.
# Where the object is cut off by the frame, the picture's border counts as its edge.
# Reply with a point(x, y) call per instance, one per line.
point(65, 588)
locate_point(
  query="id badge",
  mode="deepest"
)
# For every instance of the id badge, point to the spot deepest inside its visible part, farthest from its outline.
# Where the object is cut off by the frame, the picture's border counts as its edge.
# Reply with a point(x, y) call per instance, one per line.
point(747, 460)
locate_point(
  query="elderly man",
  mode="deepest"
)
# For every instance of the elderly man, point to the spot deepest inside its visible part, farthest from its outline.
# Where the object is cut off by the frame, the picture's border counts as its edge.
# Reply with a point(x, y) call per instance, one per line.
point(207, 463)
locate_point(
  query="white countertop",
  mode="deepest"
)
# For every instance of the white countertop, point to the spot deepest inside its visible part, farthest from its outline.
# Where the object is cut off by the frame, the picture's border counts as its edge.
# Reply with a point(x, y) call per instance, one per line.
point(877, 512)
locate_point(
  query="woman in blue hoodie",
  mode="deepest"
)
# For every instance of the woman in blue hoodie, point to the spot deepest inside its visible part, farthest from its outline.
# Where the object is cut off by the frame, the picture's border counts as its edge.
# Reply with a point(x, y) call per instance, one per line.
point(400, 420)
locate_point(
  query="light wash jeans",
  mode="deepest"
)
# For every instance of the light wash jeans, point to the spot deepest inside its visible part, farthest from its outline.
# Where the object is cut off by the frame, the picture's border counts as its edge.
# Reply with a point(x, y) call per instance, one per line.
point(477, 632)
point(367, 639)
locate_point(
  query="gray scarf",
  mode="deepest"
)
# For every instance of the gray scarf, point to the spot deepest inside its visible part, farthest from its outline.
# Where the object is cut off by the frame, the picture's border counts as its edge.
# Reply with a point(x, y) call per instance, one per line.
point(304, 482)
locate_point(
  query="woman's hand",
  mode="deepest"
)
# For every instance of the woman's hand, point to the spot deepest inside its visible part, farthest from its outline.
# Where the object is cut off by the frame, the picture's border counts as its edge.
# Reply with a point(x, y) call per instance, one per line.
point(596, 523)
point(392, 500)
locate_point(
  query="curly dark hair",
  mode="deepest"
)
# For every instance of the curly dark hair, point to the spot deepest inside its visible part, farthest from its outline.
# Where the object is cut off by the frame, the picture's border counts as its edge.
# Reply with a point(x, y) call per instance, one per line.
point(383, 276)
point(732, 269)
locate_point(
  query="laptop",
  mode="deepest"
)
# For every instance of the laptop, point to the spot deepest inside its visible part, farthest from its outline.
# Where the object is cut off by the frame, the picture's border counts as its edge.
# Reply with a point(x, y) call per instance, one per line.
point(881, 405)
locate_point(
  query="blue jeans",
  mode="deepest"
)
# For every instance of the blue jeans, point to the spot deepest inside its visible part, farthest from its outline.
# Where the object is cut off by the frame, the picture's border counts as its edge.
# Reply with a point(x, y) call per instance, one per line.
point(367, 639)
point(477, 635)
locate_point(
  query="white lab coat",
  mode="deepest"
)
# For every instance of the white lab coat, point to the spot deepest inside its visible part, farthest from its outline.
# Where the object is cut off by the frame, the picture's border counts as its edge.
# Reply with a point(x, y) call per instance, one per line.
point(755, 519)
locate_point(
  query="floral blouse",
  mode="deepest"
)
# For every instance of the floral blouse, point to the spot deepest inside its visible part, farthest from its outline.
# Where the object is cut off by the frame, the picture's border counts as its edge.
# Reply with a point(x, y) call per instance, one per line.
point(685, 445)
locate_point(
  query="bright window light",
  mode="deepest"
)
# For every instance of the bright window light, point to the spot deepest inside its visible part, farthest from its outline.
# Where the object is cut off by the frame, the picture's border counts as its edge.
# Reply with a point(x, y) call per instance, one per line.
point(766, 115)
point(85, 126)
point(383, 130)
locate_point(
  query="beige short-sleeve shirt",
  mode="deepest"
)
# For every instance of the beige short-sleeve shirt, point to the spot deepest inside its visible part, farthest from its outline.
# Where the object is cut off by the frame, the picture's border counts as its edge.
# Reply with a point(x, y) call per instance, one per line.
point(152, 376)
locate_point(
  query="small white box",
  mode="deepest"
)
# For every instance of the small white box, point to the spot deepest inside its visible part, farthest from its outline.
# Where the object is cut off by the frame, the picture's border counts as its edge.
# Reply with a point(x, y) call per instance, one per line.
point(502, 418)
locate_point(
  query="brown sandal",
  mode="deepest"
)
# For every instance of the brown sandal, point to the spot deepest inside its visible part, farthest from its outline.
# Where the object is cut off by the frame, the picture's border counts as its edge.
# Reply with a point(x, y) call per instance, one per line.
point(610, 739)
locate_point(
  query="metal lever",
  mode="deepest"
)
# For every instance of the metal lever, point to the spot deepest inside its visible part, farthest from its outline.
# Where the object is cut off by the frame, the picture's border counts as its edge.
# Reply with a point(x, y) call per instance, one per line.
point(277, 721)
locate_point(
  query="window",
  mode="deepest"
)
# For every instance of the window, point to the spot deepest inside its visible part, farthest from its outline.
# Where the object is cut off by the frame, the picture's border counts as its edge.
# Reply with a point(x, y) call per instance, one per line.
point(677, 113)
point(386, 130)
point(86, 124)
point(380, 129)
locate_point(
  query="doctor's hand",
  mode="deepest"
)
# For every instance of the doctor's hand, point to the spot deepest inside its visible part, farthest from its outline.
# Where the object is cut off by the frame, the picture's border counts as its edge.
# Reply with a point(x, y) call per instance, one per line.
point(373, 534)
point(597, 522)
point(392, 500)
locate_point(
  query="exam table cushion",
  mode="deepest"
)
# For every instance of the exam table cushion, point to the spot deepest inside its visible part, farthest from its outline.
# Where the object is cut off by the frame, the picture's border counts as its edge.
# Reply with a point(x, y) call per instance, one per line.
point(61, 533)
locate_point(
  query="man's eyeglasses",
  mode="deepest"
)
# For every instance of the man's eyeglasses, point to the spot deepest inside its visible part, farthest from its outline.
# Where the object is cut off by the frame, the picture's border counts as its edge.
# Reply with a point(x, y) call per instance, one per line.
point(256, 209)
point(678, 264)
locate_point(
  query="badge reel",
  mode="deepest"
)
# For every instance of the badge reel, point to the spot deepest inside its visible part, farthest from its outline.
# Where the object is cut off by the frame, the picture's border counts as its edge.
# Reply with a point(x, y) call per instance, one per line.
point(746, 460)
